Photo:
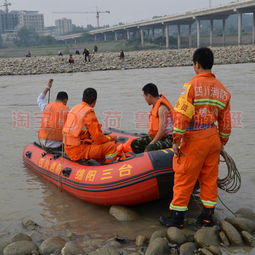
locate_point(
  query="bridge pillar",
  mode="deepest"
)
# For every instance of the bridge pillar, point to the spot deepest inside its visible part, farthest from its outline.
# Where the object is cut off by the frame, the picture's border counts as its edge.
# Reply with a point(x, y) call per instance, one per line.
point(179, 36)
point(190, 36)
point(128, 35)
point(116, 36)
point(253, 29)
point(142, 36)
point(240, 21)
point(105, 36)
point(211, 32)
point(224, 31)
point(152, 34)
point(198, 33)
point(167, 35)
point(95, 38)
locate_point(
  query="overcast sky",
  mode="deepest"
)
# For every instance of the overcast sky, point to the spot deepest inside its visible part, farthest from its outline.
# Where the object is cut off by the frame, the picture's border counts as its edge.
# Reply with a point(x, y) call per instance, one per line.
point(121, 10)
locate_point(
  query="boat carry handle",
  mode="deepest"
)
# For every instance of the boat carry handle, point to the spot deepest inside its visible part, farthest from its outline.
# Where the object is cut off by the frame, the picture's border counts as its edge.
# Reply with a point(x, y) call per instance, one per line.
point(67, 171)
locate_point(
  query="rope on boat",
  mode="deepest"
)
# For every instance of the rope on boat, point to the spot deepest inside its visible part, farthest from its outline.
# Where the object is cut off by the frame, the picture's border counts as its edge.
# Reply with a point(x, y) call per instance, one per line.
point(232, 182)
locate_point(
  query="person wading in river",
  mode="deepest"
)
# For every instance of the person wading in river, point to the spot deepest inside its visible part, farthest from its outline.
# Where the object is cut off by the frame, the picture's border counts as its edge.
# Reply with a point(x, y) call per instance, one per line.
point(197, 141)
point(53, 118)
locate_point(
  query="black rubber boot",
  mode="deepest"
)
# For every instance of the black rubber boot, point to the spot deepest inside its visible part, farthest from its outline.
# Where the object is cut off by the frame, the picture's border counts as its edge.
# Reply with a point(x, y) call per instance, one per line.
point(205, 219)
point(176, 219)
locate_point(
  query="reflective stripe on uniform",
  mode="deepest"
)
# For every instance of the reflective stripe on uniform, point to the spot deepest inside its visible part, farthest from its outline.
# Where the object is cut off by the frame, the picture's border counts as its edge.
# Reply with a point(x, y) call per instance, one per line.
point(209, 203)
point(178, 208)
point(224, 135)
point(179, 131)
point(209, 101)
point(113, 155)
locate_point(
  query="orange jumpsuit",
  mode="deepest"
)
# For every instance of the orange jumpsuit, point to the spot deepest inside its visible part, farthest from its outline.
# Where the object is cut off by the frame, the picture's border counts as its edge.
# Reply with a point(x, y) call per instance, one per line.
point(83, 137)
point(203, 102)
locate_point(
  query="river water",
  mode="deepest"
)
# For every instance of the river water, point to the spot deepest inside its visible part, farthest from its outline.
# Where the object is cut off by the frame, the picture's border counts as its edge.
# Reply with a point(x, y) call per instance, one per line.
point(120, 103)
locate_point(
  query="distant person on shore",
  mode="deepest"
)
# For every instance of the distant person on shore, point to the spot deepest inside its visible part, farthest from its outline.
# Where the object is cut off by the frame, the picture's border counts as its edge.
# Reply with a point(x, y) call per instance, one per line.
point(86, 54)
point(60, 54)
point(122, 55)
point(28, 55)
point(71, 59)
point(77, 52)
point(160, 122)
point(95, 49)
point(53, 118)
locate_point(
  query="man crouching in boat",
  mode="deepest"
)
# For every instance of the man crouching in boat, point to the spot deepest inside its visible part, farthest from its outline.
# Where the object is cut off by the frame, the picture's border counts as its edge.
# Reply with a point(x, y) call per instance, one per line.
point(83, 137)
point(161, 122)
point(53, 119)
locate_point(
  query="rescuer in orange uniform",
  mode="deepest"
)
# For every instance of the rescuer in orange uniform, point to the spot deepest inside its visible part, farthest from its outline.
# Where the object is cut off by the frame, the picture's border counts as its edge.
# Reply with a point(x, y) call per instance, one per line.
point(160, 122)
point(204, 101)
point(83, 137)
point(53, 118)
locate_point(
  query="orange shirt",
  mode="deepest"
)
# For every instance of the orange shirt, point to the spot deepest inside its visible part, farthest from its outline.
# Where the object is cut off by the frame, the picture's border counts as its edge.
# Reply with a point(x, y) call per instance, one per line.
point(82, 126)
point(204, 101)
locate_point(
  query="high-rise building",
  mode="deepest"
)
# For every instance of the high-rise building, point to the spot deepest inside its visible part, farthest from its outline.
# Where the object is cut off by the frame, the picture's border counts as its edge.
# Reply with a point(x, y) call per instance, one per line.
point(63, 26)
point(31, 19)
point(8, 21)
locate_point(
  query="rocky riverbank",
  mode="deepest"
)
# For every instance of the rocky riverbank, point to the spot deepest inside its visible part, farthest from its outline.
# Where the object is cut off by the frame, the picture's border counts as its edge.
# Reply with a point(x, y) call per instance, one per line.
point(231, 233)
point(111, 61)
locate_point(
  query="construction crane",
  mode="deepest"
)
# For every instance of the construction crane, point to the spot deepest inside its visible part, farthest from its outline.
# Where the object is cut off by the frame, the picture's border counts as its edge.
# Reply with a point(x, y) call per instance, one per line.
point(97, 12)
point(6, 5)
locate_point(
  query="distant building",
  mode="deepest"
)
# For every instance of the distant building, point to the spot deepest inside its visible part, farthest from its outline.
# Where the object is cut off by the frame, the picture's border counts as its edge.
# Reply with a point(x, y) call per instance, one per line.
point(31, 19)
point(8, 21)
point(63, 26)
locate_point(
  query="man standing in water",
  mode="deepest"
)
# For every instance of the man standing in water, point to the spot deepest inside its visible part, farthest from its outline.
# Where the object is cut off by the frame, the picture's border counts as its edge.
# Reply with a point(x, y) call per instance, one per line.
point(197, 141)
point(160, 122)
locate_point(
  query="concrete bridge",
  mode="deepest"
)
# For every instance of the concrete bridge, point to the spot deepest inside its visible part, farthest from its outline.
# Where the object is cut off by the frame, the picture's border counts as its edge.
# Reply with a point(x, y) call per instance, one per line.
point(146, 29)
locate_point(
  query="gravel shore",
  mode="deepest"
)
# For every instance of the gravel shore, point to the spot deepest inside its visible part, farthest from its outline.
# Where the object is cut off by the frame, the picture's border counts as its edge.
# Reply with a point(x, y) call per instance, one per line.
point(111, 61)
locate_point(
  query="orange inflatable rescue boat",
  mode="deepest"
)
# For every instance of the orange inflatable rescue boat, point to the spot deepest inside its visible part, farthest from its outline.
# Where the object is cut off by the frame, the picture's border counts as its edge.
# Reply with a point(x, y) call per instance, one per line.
point(138, 179)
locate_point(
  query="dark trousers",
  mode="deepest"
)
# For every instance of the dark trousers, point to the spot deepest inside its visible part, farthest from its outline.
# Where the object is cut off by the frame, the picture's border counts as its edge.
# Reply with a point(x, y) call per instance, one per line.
point(142, 144)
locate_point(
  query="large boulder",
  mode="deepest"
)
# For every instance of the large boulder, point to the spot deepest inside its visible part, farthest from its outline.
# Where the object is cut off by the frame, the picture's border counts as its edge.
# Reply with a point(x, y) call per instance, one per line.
point(207, 236)
point(52, 245)
point(122, 213)
point(105, 251)
point(29, 224)
point(224, 240)
point(159, 233)
point(37, 237)
point(176, 236)
point(188, 248)
point(21, 237)
point(231, 232)
point(140, 240)
point(204, 251)
point(72, 248)
point(3, 244)
point(215, 250)
point(242, 224)
point(246, 213)
point(158, 246)
point(21, 248)
point(248, 238)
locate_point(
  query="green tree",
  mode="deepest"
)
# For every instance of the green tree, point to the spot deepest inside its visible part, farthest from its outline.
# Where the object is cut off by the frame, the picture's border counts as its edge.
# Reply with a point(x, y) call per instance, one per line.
point(27, 37)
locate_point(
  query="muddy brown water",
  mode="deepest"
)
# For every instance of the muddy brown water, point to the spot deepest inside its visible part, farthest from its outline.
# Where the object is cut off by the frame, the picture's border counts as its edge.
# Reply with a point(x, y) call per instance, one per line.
point(24, 194)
